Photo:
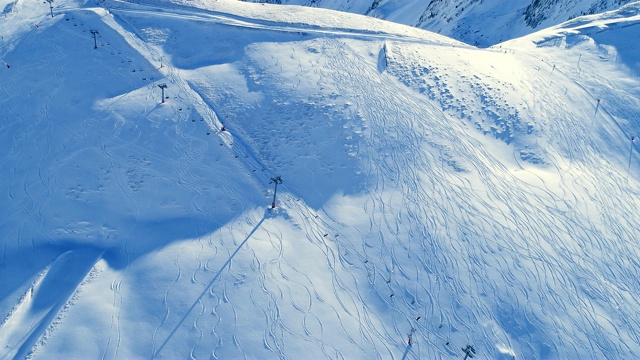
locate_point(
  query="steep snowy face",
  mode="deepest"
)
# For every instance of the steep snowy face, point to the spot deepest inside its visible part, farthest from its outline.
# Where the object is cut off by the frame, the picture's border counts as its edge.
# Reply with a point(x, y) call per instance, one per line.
point(557, 11)
point(477, 22)
point(486, 23)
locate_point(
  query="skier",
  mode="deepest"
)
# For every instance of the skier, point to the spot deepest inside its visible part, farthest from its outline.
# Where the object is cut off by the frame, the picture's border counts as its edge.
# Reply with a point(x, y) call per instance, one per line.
point(410, 335)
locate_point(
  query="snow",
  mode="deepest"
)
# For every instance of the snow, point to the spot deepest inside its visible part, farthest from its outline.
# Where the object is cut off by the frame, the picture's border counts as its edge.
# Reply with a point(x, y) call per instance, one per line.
point(460, 196)
point(480, 22)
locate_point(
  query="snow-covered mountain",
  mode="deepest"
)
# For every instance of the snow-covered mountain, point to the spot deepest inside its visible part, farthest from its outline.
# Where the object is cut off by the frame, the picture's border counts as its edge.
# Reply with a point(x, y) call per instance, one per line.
point(478, 22)
point(432, 197)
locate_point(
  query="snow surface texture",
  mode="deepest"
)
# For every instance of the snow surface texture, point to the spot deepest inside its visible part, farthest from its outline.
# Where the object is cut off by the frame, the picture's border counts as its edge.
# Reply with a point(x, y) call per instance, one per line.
point(479, 22)
point(431, 190)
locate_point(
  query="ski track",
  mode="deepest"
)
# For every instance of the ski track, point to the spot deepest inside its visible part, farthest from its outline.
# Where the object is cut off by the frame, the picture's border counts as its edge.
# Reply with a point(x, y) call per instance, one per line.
point(514, 216)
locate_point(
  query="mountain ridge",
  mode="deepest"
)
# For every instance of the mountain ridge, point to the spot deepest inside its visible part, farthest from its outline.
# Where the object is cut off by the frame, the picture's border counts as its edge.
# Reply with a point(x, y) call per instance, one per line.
point(476, 22)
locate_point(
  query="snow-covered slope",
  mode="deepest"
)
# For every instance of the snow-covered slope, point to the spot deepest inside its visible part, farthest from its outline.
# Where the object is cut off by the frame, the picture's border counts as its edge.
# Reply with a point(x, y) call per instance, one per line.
point(433, 193)
point(478, 22)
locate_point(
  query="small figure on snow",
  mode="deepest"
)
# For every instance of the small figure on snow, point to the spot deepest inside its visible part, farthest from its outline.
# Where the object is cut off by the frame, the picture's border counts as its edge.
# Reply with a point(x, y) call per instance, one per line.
point(410, 335)
point(8, 66)
point(223, 128)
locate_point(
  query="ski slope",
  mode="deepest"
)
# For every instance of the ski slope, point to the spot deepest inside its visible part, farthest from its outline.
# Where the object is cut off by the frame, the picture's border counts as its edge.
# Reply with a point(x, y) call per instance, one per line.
point(432, 191)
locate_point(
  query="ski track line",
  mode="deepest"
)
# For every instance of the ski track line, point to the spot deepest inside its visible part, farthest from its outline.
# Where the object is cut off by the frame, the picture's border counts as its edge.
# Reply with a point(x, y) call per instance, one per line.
point(209, 286)
point(320, 240)
point(166, 302)
point(118, 301)
point(383, 174)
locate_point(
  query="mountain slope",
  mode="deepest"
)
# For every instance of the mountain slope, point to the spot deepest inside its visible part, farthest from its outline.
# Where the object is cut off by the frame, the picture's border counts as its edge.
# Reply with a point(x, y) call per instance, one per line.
point(477, 22)
point(431, 190)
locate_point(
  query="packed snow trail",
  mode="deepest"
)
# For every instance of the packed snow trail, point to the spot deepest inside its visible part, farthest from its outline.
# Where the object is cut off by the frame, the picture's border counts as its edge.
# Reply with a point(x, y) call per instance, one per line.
point(44, 300)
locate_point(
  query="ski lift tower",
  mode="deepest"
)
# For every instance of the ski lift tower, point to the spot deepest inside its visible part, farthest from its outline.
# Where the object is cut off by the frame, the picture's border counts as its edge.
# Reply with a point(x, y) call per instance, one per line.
point(50, 6)
point(276, 180)
point(162, 86)
point(469, 351)
point(94, 33)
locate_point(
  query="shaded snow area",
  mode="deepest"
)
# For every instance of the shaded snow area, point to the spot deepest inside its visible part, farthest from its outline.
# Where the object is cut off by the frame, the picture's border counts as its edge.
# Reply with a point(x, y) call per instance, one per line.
point(435, 197)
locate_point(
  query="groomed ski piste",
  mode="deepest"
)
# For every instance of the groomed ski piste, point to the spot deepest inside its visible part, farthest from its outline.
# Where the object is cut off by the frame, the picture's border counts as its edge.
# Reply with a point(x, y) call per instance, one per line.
point(434, 196)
